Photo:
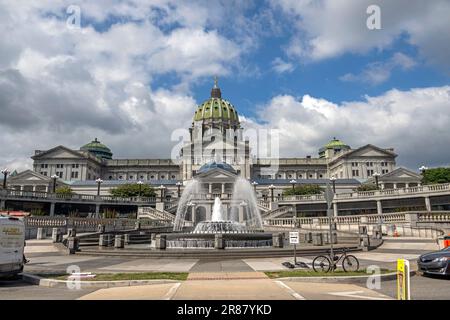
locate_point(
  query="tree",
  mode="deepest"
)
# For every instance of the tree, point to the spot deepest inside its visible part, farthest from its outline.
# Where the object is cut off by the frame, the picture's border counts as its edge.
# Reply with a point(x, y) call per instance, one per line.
point(64, 190)
point(303, 190)
point(132, 190)
point(436, 175)
point(366, 187)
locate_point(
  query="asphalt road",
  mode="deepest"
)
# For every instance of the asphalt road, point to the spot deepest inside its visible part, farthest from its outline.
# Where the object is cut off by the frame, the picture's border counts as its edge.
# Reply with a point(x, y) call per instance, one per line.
point(422, 288)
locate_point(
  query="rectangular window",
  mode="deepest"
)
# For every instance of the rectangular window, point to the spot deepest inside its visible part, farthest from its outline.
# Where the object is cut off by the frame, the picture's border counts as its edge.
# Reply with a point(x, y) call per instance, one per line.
point(369, 173)
point(74, 174)
point(355, 173)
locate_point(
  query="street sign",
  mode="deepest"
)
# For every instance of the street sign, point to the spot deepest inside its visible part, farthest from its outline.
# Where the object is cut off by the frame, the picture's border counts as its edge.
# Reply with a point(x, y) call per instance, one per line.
point(403, 280)
point(294, 237)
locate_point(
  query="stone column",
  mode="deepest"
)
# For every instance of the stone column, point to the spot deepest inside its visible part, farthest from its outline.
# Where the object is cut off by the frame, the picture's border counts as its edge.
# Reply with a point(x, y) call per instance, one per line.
point(97, 210)
point(379, 207)
point(52, 209)
point(2, 204)
point(395, 186)
point(209, 188)
point(427, 203)
point(335, 209)
point(223, 188)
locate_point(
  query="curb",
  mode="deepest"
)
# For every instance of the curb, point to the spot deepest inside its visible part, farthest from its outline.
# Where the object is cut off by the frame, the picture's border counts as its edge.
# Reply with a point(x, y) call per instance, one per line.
point(52, 283)
point(342, 279)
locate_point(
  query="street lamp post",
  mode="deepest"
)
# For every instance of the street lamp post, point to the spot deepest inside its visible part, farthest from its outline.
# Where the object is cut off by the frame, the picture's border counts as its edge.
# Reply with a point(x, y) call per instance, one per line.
point(271, 187)
point(54, 177)
point(5, 173)
point(179, 188)
point(140, 183)
point(161, 187)
point(376, 175)
point(99, 182)
point(333, 181)
point(293, 182)
point(423, 169)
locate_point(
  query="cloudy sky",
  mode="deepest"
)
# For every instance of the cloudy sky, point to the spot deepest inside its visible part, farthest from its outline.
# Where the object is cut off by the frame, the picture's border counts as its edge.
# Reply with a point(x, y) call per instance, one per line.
point(134, 71)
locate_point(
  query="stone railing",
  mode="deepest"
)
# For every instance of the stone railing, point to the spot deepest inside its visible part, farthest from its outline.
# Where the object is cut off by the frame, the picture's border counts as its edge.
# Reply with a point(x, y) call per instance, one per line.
point(38, 195)
point(420, 190)
point(90, 224)
point(407, 217)
point(436, 216)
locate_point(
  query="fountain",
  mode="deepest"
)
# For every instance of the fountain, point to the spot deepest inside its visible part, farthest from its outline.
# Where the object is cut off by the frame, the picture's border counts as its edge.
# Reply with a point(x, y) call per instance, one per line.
point(243, 231)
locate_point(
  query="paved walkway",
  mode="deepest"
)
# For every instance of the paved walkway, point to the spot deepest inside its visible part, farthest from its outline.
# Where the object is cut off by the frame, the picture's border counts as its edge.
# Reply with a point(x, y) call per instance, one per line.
point(224, 279)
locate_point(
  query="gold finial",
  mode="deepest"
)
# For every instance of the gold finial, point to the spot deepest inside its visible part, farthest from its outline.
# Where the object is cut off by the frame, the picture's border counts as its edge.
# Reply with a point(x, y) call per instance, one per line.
point(215, 81)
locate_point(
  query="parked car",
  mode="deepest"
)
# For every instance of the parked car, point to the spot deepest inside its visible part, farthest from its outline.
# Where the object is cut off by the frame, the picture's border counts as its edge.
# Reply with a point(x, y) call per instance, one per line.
point(436, 262)
point(12, 242)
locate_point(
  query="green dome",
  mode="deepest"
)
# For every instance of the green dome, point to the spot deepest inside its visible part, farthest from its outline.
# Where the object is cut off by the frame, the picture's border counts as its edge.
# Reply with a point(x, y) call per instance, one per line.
point(98, 149)
point(216, 109)
point(335, 143)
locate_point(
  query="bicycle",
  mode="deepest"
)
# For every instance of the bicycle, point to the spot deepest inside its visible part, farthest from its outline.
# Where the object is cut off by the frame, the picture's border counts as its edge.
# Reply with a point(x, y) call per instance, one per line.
point(323, 263)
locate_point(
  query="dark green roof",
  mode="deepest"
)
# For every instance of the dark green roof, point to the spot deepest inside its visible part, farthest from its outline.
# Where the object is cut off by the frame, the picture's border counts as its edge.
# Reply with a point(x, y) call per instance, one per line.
point(335, 143)
point(98, 149)
point(216, 108)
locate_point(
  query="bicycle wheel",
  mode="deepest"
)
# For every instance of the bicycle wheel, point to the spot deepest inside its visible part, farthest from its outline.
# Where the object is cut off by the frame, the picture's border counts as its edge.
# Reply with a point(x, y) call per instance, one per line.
point(350, 264)
point(321, 264)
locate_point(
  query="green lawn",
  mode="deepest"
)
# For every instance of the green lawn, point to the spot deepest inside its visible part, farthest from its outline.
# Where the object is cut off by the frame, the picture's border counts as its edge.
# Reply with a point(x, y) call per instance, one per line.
point(128, 276)
point(311, 273)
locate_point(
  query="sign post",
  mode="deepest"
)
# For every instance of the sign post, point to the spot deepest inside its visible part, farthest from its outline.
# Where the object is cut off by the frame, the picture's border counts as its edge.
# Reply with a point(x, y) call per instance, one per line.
point(403, 280)
point(329, 196)
point(294, 239)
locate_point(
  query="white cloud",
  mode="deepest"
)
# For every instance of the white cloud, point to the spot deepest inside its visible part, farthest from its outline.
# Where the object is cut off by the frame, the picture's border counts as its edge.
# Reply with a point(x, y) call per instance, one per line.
point(380, 71)
point(281, 66)
point(414, 122)
point(65, 86)
point(329, 28)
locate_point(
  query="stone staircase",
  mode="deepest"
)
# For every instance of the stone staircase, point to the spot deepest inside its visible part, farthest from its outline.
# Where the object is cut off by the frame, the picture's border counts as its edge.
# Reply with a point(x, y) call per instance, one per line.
point(277, 212)
point(152, 213)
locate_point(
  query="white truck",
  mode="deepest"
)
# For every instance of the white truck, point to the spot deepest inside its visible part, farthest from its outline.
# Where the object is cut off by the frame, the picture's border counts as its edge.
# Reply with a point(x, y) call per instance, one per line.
point(12, 242)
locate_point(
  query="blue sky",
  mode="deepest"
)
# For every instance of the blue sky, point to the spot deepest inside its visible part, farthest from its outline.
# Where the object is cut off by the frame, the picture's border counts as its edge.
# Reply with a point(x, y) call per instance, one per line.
point(133, 72)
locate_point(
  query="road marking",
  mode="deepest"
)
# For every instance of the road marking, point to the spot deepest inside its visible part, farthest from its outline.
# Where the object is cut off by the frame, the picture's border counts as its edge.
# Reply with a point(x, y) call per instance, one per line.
point(355, 294)
point(169, 295)
point(292, 292)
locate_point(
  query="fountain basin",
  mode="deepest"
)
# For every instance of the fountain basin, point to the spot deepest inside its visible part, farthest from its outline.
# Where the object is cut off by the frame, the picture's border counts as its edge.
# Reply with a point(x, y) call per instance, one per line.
point(207, 240)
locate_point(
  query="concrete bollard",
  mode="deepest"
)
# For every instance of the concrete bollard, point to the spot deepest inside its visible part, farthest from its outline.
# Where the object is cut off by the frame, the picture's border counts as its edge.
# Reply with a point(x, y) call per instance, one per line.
point(73, 244)
point(362, 229)
point(317, 239)
point(126, 238)
point(101, 228)
point(376, 232)
point(219, 241)
point(57, 235)
point(277, 240)
point(41, 234)
point(160, 242)
point(104, 240)
point(365, 242)
point(308, 237)
point(119, 241)
point(71, 232)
